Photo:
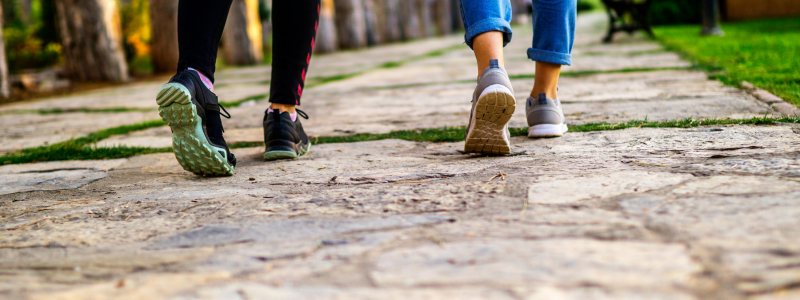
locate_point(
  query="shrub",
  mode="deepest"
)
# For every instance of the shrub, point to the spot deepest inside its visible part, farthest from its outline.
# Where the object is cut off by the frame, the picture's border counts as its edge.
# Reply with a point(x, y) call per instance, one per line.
point(24, 50)
point(666, 12)
point(588, 5)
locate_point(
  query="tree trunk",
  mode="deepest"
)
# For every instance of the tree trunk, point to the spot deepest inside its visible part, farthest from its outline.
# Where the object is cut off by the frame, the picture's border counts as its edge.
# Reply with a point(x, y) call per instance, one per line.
point(388, 12)
point(266, 24)
point(371, 21)
point(5, 90)
point(242, 35)
point(442, 17)
point(164, 35)
point(455, 15)
point(520, 14)
point(409, 20)
point(326, 30)
point(351, 28)
point(91, 40)
point(425, 19)
point(25, 11)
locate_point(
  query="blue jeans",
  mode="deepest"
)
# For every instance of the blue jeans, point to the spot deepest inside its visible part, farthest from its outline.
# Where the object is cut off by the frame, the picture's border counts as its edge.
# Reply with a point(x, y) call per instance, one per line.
point(553, 26)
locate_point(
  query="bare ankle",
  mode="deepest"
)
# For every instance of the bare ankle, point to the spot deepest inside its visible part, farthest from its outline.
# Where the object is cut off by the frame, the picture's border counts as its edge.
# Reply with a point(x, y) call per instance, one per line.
point(283, 107)
point(550, 93)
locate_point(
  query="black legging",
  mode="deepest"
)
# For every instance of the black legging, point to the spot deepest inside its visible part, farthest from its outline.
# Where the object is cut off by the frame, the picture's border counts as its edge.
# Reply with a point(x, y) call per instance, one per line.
point(200, 24)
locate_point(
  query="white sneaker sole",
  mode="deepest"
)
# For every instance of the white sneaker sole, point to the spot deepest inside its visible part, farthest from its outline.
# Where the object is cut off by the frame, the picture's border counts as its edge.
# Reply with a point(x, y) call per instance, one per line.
point(487, 133)
point(547, 130)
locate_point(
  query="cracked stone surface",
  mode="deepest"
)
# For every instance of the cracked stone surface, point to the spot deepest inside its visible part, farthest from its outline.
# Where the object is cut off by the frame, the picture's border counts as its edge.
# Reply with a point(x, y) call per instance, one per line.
point(643, 213)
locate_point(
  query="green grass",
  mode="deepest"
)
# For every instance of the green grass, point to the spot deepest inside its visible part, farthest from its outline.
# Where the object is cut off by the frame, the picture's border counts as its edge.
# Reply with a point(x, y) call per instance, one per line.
point(122, 109)
point(595, 72)
point(82, 148)
point(317, 81)
point(236, 103)
point(684, 123)
point(764, 53)
point(589, 5)
point(77, 110)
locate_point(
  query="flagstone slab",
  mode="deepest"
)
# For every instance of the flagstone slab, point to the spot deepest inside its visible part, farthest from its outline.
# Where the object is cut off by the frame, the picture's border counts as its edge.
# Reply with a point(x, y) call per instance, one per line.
point(420, 216)
point(53, 175)
point(572, 190)
point(509, 263)
point(256, 290)
point(286, 230)
point(21, 131)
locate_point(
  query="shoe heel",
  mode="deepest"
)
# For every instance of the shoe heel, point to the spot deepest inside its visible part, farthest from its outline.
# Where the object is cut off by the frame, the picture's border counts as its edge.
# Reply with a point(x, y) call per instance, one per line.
point(175, 105)
point(189, 144)
point(494, 110)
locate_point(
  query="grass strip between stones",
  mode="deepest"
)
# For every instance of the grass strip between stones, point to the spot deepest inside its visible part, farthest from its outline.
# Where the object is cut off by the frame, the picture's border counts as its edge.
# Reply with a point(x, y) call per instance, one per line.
point(531, 76)
point(52, 111)
point(83, 148)
point(595, 72)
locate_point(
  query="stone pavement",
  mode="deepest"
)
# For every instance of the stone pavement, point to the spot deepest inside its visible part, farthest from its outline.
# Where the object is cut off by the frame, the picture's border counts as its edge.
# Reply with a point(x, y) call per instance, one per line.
point(641, 213)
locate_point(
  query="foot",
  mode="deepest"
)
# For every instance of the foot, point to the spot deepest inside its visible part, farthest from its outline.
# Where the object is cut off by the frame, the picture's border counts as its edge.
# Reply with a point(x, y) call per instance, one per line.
point(545, 118)
point(193, 113)
point(284, 135)
point(493, 105)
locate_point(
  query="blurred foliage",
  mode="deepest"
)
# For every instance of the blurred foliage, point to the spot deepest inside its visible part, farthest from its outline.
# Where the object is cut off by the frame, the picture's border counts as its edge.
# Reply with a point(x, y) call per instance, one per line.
point(13, 14)
point(25, 50)
point(667, 12)
point(31, 37)
point(589, 5)
point(762, 52)
point(135, 19)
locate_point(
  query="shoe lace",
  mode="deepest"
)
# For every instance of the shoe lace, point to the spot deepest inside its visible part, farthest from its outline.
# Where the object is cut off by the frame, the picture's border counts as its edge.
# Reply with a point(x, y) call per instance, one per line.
point(302, 114)
point(227, 115)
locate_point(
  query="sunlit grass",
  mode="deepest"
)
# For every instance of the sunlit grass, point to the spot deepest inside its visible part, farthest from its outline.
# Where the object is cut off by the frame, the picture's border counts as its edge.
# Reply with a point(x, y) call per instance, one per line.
point(764, 53)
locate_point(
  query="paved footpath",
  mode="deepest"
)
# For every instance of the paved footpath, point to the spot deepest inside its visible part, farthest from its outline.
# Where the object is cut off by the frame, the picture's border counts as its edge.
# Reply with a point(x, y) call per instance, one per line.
point(641, 213)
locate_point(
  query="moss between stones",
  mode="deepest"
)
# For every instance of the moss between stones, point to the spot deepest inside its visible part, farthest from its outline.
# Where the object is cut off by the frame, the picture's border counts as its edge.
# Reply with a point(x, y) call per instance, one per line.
point(82, 148)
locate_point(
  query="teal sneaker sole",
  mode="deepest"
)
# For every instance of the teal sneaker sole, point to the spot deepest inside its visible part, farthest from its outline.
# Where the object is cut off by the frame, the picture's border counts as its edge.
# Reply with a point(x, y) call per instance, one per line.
point(189, 143)
point(282, 154)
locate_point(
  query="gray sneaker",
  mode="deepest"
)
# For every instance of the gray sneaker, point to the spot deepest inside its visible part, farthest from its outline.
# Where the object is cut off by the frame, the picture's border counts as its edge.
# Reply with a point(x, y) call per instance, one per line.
point(493, 104)
point(545, 117)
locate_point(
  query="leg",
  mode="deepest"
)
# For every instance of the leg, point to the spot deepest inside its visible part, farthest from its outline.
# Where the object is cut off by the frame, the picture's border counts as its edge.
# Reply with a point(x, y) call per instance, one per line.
point(295, 27)
point(554, 33)
point(487, 29)
point(488, 46)
point(546, 80)
point(553, 36)
point(200, 24)
point(186, 102)
point(493, 101)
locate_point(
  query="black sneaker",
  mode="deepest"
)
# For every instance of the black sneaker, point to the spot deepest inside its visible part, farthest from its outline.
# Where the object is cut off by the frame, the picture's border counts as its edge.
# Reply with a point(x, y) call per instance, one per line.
point(193, 113)
point(283, 137)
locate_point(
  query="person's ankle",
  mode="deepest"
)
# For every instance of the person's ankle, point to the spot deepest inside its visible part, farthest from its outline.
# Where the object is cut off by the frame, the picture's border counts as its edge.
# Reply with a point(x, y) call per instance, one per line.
point(552, 94)
point(283, 107)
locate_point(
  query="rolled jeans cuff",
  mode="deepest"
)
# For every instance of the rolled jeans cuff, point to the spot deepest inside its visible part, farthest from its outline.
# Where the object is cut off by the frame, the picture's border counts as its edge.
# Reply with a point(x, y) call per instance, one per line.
point(549, 56)
point(486, 25)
